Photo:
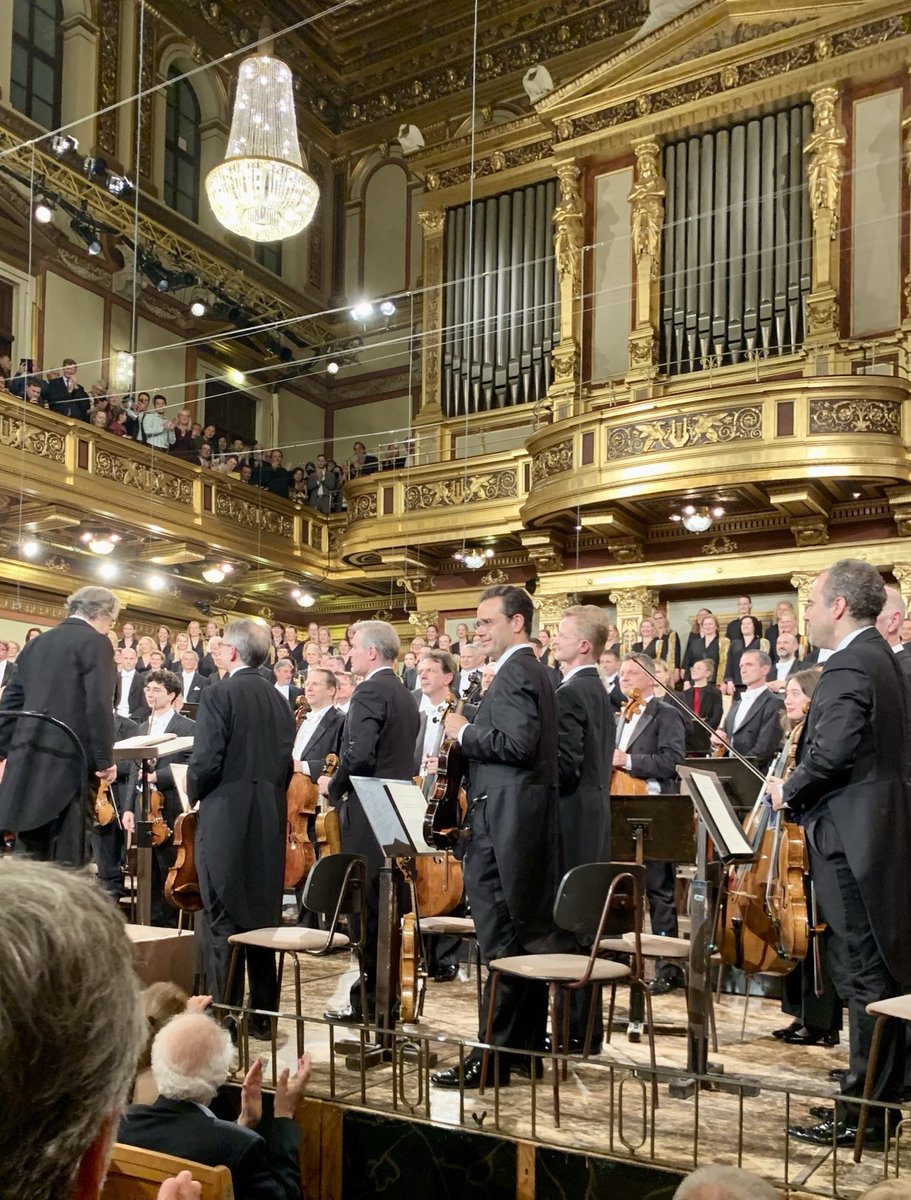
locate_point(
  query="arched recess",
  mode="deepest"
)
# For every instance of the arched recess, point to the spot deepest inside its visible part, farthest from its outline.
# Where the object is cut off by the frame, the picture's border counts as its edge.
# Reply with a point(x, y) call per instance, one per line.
point(382, 242)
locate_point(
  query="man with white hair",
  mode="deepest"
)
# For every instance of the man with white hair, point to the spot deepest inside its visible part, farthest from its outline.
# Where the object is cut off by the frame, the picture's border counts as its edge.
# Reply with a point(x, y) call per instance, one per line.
point(724, 1183)
point(71, 1033)
point(191, 1057)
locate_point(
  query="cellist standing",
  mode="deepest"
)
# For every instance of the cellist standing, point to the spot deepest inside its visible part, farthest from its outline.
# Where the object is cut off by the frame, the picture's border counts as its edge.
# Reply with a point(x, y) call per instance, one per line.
point(850, 791)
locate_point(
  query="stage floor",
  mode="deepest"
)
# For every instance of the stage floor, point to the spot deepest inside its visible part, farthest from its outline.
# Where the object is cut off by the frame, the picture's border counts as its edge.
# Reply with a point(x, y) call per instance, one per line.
point(605, 1108)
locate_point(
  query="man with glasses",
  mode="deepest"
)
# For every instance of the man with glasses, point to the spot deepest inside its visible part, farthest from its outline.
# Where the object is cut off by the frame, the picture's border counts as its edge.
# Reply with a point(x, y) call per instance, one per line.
point(511, 862)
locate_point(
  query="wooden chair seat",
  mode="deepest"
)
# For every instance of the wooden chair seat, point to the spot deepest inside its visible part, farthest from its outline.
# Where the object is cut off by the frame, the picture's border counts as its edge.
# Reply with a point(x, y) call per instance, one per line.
point(559, 968)
point(452, 926)
point(653, 946)
point(292, 939)
point(136, 1174)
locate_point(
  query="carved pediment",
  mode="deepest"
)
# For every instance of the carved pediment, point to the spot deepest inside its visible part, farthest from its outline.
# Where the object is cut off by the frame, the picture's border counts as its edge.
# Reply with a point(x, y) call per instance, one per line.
point(703, 29)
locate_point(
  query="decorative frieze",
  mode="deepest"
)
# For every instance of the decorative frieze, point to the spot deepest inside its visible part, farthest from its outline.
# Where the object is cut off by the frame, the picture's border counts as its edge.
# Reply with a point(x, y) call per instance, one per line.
point(43, 443)
point(444, 493)
point(855, 416)
point(152, 481)
point(252, 516)
point(552, 461)
point(685, 431)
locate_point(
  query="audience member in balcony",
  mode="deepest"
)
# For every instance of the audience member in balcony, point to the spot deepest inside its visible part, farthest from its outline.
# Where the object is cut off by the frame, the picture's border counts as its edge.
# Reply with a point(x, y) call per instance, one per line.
point(227, 465)
point(196, 430)
point(99, 418)
point(297, 486)
point(393, 458)
point(99, 397)
point(221, 446)
point(137, 408)
point(210, 437)
point(361, 463)
point(322, 484)
point(245, 474)
point(145, 647)
point(273, 476)
point(156, 429)
point(34, 394)
point(66, 396)
point(25, 371)
point(117, 423)
point(184, 444)
point(205, 456)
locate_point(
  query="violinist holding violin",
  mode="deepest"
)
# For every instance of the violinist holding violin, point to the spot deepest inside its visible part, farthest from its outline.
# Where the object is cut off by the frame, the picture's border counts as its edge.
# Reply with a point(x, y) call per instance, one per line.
point(849, 791)
point(162, 695)
point(651, 742)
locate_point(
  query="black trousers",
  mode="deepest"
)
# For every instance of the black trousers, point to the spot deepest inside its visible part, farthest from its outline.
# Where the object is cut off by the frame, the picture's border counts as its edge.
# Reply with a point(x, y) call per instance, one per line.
point(520, 1012)
point(858, 971)
point(819, 1014)
point(107, 851)
point(215, 927)
point(64, 840)
point(660, 887)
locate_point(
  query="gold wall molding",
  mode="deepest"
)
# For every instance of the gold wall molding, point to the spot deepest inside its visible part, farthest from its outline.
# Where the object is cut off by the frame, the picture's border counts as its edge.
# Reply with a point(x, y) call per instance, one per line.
point(18, 434)
point(850, 416)
point(444, 493)
point(553, 461)
point(253, 516)
point(682, 432)
point(151, 480)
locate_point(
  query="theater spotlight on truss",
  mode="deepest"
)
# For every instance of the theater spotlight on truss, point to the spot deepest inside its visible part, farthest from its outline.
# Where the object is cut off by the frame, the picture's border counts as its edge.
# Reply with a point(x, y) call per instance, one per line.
point(85, 229)
point(199, 304)
point(62, 143)
point(117, 185)
point(537, 83)
point(44, 211)
point(698, 518)
point(410, 138)
point(387, 308)
point(262, 190)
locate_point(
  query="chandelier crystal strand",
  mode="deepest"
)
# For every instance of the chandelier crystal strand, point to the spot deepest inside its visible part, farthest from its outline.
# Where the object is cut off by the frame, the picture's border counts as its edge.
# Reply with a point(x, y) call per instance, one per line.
point(262, 191)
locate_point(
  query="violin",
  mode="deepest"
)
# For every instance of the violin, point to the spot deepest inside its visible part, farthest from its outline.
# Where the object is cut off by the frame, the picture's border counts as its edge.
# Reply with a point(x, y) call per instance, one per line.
point(621, 782)
point(105, 808)
point(161, 831)
point(181, 888)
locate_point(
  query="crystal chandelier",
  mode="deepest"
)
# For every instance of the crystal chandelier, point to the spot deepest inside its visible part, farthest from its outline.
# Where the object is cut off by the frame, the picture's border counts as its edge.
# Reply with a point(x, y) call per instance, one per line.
point(473, 559)
point(698, 519)
point(261, 191)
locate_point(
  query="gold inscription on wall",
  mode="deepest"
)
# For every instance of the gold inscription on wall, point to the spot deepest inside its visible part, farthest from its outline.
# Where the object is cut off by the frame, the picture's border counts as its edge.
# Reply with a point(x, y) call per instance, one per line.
point(855, 416)
point(681, 432)
point(442, 493)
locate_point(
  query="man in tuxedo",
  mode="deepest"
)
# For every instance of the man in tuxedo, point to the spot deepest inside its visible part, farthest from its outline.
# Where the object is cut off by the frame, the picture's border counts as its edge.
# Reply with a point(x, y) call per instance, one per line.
point(320, 732)
point(744, 609)
point(512, 864)
point(585, 749)
point(191, 681)
point(470, 662)
point(6, 665)
point(131, 701)
point(191, 1056)
point(162, 689)
point(704, 700)
point(67, 397)
point(207, 664)
point(889, 623)
point(753, 723)
point(850, 792)
point(239, 773)
point(651, 744)
point(283, 673)
point(785, 664)
point(609, 662)
point(377, 741)
point(67, 673)
point(107, 842)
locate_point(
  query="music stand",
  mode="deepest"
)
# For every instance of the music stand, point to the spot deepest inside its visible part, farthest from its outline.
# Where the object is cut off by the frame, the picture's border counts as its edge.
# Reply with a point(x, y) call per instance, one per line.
point(739, 781)
point(144, 749)
point(395, 810)
point(718, 821)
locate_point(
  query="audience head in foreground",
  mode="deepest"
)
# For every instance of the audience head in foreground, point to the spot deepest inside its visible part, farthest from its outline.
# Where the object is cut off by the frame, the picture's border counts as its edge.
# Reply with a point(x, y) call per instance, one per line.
point(71, 1029)
point(725, 1183)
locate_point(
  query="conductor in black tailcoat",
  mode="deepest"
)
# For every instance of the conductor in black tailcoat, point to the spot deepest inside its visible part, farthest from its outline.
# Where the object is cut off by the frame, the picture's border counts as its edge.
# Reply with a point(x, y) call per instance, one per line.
point(651, 744)
point(67, 673)
point(239, 773)
point(512, 862)
point(585, 748)
point(850, 792)
point(377, 741)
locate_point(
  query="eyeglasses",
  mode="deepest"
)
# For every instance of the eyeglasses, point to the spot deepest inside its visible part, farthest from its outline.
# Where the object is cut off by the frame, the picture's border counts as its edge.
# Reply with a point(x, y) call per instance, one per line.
point(487, 622)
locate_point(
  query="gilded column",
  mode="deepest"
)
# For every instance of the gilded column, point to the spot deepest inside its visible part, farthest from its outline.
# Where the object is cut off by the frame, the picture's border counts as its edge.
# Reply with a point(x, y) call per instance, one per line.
point(825, 153)
point(568, 238)
point(902, 573)
point(647, 221)
point(802, 581)
point(550, 609)
point(433, 224)
point(633, 604)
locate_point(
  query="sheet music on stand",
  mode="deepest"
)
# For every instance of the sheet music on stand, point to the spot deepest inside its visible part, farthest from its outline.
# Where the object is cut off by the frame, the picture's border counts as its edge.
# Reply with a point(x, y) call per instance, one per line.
point(395, 809)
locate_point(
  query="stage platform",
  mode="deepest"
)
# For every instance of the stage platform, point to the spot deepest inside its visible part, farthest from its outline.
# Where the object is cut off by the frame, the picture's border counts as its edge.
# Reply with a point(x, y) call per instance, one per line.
point(607, 1114)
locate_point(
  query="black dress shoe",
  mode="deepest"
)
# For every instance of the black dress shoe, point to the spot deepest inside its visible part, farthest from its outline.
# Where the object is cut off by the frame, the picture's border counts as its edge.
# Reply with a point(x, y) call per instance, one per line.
point(781, 1034)
point(822, 1112)
point(345, 1016)
point(664, 984)
point(838, 1133)
point(811, 1037)
point(471, 1076)
point(576, 1045)
point(522, 1066)
point(260, 1030)
point(445, 975)
point(838, 1074)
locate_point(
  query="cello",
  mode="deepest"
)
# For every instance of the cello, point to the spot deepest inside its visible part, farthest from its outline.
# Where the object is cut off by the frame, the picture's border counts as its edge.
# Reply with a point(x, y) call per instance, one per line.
point(181, 888)
point(621, 782)
point(301, 799)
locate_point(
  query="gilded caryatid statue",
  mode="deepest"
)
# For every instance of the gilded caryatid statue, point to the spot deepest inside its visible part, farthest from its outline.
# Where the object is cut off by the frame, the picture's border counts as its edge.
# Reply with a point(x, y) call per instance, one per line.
point(568, 223)
point(647, 203)
point(825, 157)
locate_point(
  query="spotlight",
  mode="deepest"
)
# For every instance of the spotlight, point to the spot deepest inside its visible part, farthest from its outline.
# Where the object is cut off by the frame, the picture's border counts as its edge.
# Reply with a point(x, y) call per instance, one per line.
point(199, 304)
point(236, 378)
point(362, 311)
point(84, 228)
point(304, 599)
point(31, 548)
point(62, 143)
point(387, 308)
point(108, 571)
point(410, 138)
point(118, 184)
point(94, 166)
point(332, 367)
point(100, 543)
point(537, 82)
point(156, 582)
point(44, 211)
point(216, 572)
point(155, 273)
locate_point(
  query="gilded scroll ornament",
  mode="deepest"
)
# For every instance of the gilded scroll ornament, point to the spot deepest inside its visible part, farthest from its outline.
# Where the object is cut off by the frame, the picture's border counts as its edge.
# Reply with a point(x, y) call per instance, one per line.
point(552, 461)
point(432, 221)
point(683, 432)
point(721, 544)
point(647, 203)
point(855, 416)
point(362, 508)
point(568, 223)
point(822, 315)
point(627, 550)
point(40, 442)
point(825, 157)
point(151, 480)
point(252, 516)
point(810, 531)
point(443, 493)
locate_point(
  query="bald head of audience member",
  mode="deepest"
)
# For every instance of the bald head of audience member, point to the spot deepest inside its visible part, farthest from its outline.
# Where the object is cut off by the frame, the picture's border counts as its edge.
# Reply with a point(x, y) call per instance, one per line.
point(725, 1183)
point(71, 1030)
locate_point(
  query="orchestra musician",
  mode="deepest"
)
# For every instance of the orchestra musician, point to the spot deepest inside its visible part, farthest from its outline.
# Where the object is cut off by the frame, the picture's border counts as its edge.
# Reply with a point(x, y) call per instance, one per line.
point(650, 746)
point(68, 673)
point(753, 722)
point(377, 741)
point(512, 862)
point(817, 1019)
point(585, 747)
point(320, 732)
point(239, 773)
point(107, 841)
point(849, 790)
